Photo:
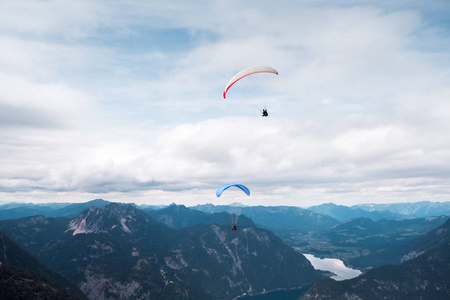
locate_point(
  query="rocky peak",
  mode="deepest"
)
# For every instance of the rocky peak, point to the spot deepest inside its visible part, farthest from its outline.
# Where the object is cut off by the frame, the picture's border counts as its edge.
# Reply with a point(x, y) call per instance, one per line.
point(37, 219)
point(113, 217)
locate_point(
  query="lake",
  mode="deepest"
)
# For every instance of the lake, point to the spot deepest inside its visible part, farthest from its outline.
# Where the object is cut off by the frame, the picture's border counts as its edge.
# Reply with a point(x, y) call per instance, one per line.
point(333, 265)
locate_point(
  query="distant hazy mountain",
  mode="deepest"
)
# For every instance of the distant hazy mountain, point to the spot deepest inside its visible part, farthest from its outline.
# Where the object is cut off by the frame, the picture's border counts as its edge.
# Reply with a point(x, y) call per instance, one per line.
point(179, 216)
point(119, 252)
point(411, 210)
point(44, 206)
point(343, 213)
point(74, 209)
point(19, 212)
point(424, 277)
point(12, 255)
point(278, 218)
point(363, 230)
point(151, 207)
point(22, 210)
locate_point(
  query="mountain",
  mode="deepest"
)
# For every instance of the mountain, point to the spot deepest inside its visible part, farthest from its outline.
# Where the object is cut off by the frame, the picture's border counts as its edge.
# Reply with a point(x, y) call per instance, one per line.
point(343, 213)
point(363, 243)
point(424, 277)
point(119, 252)
point(249, 261)
point(364, 231)
point(410, 249)
point(418, 246)
point(113, 218)
point(33, 233)
point(179, 216)
point(376, 242)
point(22, 210)
point(12, 255)
point(412, 210)
point(17, 283)
point(278, 218)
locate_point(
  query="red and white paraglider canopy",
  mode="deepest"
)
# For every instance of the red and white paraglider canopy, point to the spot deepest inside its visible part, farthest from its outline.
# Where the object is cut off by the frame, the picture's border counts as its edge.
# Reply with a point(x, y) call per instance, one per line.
point(246, 72)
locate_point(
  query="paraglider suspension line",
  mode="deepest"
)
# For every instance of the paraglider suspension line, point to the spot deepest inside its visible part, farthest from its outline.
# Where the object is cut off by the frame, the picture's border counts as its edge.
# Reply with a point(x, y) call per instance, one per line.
point(234, 218)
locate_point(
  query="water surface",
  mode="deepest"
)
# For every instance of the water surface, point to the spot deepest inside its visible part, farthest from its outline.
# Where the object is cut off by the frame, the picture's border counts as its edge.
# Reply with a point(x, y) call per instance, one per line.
point(333, 265)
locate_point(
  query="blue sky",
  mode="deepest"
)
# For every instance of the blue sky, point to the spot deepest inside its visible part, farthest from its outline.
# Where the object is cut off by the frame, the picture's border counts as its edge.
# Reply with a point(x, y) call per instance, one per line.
point(122, 100)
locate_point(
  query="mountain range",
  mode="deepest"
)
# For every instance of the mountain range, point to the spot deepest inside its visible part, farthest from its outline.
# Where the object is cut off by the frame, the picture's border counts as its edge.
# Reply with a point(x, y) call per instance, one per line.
point(410, 210)
point(21, 210)
point(277, 218)
point(118, 252)
point(103, 250)
point(343, 213)
point(376, 212)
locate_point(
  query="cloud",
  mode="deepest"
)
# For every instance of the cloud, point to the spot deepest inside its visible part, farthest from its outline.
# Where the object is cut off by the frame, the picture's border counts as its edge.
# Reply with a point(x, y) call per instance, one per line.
point(29, 104)
point(125, 100)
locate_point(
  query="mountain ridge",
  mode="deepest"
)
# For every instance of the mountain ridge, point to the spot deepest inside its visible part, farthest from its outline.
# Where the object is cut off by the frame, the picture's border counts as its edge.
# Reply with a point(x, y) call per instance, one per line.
point(11, 254)
point(423, 277)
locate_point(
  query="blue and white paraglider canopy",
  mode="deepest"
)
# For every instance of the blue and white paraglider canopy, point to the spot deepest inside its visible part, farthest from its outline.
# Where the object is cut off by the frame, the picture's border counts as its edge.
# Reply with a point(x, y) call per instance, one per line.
point(223, 187)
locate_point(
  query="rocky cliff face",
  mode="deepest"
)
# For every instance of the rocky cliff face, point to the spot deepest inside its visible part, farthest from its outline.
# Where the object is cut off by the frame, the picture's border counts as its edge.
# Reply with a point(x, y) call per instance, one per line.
point(111, 218)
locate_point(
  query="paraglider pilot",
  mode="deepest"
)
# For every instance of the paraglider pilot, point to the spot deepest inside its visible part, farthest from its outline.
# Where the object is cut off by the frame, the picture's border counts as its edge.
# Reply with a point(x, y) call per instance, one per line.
point(264, 112)
point(234, 227)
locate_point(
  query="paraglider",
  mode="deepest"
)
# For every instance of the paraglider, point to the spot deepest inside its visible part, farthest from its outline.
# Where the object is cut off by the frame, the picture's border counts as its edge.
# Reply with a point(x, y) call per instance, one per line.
point(246, 72)
point(224, 187)
point(249, 71)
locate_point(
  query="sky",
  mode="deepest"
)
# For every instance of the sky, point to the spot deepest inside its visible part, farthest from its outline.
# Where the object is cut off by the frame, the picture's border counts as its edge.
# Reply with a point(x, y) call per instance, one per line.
point(122, 100)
